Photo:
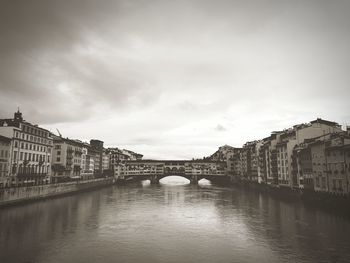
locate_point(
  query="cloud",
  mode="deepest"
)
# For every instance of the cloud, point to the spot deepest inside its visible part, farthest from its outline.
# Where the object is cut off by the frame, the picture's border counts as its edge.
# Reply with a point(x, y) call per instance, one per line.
point(160, 74)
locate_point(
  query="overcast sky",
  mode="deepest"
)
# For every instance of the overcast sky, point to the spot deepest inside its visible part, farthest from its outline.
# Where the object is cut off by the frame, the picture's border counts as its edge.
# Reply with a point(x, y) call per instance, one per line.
point(174, 79)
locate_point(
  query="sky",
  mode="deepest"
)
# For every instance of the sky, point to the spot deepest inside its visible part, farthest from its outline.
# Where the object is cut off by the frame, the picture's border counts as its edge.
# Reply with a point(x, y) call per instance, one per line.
point(174, 79)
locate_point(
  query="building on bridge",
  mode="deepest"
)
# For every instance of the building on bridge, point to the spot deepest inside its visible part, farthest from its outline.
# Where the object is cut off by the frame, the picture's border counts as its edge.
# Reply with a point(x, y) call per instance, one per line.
point(154, 170)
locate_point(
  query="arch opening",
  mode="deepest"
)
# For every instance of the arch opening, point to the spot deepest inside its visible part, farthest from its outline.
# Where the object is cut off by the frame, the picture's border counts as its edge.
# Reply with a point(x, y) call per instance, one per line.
point(174, 180)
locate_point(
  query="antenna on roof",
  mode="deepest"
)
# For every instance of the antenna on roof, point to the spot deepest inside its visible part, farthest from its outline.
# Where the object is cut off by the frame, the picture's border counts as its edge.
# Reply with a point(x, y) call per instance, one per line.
point(59, 132)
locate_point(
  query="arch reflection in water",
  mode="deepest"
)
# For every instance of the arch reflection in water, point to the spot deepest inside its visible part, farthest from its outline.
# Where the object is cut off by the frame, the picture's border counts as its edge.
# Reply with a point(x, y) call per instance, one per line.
point(204, 182)
point(174, 180)
point(145, 183)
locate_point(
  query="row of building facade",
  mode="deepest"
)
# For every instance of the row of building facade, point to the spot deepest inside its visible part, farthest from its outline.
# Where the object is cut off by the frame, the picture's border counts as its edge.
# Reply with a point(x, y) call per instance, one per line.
point(31, 155)
point(313, 156)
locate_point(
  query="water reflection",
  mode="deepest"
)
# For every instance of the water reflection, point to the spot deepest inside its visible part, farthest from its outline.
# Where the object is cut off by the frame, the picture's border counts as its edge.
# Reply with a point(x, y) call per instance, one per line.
point(204, 182)
point(171, 223)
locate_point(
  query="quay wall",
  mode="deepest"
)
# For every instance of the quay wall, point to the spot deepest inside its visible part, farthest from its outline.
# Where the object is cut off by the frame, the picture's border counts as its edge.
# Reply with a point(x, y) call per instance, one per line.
point(11, 196)
point(335, 203)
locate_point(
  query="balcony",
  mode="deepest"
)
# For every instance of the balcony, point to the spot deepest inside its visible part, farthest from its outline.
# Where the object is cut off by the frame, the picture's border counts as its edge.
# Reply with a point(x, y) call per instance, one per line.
point(78, 152)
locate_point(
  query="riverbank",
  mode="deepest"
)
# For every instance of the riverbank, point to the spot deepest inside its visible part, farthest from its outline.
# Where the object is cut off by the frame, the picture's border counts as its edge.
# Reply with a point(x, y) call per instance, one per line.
point(18, 195)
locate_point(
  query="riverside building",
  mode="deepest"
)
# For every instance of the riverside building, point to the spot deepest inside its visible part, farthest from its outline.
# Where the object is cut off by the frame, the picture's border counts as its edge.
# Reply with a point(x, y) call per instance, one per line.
point(30, 154)
point(289, 139)
point(66, 159)
point(337, 153)
point(96, 152)
point(87, 166)
point(5, 149)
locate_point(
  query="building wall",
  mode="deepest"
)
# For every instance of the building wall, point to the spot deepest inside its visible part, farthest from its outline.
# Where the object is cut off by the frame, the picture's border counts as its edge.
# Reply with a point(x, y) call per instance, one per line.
point(337, 154)
point(67, 158)
point(105, 161)
point(319, 161)
point(304, 166)
point(5, 151)
point(30, 161)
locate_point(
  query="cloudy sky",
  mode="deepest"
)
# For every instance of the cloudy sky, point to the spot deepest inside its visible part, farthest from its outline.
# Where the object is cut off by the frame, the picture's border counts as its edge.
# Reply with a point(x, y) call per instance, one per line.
point(174, 79)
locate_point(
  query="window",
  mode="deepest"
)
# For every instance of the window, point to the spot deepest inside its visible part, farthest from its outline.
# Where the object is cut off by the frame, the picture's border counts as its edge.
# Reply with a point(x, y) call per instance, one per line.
point(25, 156)
point(26, 146)
point(22, 145)
point(323, 182)
point(16, 144)
point(58, 152)
point(21, 156)
point(15, 155)
point(340, 185)
point(58, 159)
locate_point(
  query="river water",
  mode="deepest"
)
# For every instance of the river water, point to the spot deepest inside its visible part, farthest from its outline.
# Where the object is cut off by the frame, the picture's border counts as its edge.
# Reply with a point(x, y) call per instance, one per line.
point(171, 223)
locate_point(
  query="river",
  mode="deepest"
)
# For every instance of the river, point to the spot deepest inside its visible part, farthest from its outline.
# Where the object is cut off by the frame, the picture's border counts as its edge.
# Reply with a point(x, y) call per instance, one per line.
point(171, 222)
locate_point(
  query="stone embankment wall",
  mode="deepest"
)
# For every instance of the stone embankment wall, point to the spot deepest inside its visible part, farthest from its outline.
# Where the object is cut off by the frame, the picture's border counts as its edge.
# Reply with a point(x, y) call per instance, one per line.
point(10, 196)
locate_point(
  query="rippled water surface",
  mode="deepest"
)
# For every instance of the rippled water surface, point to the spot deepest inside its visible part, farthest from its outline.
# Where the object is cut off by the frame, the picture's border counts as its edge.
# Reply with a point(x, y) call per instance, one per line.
point(171, 223)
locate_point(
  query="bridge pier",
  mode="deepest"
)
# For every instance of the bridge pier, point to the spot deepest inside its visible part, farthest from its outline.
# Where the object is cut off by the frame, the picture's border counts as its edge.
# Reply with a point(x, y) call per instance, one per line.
point(154, 179)
point(194, 179)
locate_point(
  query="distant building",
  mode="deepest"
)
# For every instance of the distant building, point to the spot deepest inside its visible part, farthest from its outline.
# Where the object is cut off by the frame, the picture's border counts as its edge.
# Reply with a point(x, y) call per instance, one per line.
point(132, 156)
point(302, 166)
point(30, 155)
point(228, 154)
point(249, 159)
point(96, 152)
point(234, 164)
point(289, 139)
point(87, 163)
point(337, 151)
point(66, 159)
point(106, 166)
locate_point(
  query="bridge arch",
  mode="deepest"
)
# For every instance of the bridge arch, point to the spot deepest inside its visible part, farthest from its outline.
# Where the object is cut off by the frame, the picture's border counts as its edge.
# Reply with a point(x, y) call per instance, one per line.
point(174, 180)
point(183, 175)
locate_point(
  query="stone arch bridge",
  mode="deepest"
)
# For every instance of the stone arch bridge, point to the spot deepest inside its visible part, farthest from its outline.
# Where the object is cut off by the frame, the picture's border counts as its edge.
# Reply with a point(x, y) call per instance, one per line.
point(154, 170)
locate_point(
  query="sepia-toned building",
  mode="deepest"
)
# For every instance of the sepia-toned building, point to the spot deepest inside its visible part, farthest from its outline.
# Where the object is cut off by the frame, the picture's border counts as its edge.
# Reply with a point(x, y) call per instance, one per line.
point(30, 155)
point(66, 159)
point(96, 152)
point(337, 154)
point(5, 150)
point(87, 163)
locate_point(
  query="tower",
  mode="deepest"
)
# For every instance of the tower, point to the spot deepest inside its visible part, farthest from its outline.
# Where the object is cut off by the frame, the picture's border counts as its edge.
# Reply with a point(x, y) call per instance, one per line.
point(18, 116)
